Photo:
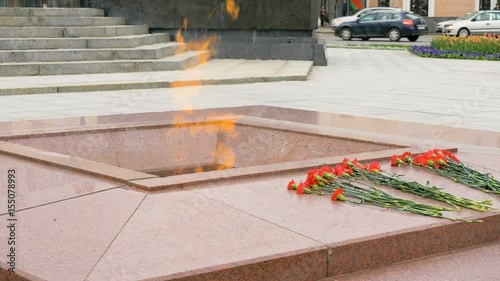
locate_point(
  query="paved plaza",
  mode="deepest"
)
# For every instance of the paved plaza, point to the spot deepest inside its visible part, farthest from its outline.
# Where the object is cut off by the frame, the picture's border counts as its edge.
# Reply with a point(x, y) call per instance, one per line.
point(393, 85)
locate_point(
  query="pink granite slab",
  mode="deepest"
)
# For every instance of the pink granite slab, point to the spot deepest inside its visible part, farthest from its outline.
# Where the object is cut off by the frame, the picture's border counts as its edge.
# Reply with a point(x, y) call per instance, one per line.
point(166, 148)
point(366, 124)
point(136, 149)
point(99, 147)
point(22, 126)
point(255, 145)
point(475, 263)
point(180, 234)
point(121, 119)
point(185, 115)
point(38, 184)
point(71, 162)
point(63, 241)
point(365, 232)
point(289, 114)
point(385, 126)
point(257, 171)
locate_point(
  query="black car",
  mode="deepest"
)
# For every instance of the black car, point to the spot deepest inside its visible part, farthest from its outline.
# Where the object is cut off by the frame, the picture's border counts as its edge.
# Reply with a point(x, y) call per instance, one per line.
point(384, 24)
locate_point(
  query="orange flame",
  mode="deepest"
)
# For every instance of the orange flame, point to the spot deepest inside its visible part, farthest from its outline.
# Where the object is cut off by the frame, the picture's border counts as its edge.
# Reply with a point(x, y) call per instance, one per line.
point(204, 45)
point(226, 158)
point(224, 154)
point(232, 9)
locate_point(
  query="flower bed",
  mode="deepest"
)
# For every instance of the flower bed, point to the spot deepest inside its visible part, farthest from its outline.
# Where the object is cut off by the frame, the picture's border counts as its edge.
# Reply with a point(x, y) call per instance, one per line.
point(485, 47)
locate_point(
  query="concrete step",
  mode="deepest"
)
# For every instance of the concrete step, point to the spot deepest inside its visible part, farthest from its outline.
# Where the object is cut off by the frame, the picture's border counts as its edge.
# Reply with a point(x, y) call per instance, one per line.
point(60, 21)
point(177, 62)
point(51, 12)
point(130, 41)
point(69, 32)
point(153, 51)
point(214, 72)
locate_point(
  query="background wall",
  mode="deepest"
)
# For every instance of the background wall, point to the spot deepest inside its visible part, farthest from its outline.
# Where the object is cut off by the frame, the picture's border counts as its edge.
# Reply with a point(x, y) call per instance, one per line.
point(211, 14)
point(453, 8)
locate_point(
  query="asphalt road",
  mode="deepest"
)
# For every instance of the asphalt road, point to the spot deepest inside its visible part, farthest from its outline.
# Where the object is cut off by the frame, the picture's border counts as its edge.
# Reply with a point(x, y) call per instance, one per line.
point(329, 37)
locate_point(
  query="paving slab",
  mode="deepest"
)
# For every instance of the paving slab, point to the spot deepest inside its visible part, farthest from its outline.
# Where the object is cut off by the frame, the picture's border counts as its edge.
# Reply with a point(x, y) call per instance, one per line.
point(40, 184)
point(184, 233)
point(126, 41)
point(212, 72)
point(147, 52)
point(52, 12)
point(69, 32)
point(175, 62)
point(49, 21)
point(84, 227)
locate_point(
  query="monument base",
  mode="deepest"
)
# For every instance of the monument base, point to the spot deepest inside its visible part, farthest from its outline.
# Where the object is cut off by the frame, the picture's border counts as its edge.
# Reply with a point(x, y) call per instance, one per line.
point(255, 44)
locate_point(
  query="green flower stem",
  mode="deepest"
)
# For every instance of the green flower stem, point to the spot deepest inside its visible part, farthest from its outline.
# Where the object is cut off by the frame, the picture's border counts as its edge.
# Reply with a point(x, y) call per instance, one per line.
point(460, 173)
point(468, 176)
point(424, 191)
point(382, 199)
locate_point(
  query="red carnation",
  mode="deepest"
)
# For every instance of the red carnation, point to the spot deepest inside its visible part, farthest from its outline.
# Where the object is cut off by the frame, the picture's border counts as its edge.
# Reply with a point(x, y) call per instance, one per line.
point(396, 160)
point(300, 188)
point(374, 168)
point(337, 195)
point(339, 170)
point(451, 156)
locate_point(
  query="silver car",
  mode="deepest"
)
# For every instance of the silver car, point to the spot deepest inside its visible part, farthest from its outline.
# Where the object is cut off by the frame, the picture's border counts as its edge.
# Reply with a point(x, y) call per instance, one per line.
point(440, 25)
point(478, 23)
point(337, 21)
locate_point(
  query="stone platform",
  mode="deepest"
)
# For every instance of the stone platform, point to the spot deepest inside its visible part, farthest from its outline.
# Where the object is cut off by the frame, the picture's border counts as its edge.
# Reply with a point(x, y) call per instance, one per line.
point(75, 224)
point(213, 72)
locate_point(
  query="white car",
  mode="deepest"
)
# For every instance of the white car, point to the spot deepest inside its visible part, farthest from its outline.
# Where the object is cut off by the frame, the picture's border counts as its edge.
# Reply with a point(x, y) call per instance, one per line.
point(478, 23)
point(337, 21)
point(440, 25)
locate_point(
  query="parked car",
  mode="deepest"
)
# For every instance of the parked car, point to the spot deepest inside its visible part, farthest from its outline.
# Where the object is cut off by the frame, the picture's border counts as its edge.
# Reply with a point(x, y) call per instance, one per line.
point(384, 24)
point(440, 25)
point(478, 23)
point(337, 21)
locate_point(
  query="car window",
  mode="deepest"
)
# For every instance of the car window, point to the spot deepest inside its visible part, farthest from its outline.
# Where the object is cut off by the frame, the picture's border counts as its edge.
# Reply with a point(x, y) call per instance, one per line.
point(369, 17)
point(359, 13)
point(496, 16)
point(364, 12)
point(383, 16)
point(468, 16)
point(396, 16)
point(483, 17)
point(412, 16)
point(465, 17)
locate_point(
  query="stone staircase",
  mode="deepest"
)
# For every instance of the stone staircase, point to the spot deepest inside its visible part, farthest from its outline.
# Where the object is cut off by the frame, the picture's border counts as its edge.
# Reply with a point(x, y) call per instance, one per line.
point(61, 41)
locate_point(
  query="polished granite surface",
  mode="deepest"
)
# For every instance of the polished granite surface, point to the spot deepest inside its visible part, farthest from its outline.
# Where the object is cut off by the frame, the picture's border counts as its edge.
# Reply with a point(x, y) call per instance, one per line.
point(243, 226)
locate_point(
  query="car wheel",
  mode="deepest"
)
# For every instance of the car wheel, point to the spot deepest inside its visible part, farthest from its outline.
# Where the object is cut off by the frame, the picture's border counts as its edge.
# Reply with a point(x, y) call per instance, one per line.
point(346, 34)
point(463, 32)
point(413, 38)
point(394, 34)
point(365, 38)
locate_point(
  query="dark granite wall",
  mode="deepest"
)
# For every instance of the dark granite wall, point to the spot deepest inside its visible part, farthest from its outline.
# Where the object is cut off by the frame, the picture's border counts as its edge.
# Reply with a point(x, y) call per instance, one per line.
point(264, 29)
point(211, 14)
